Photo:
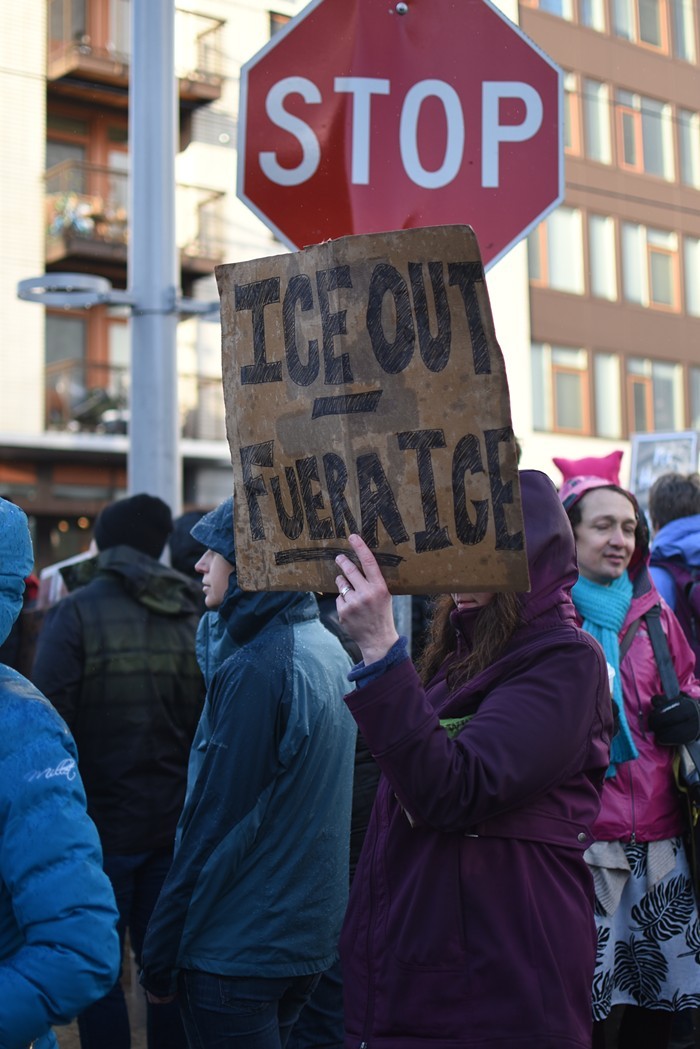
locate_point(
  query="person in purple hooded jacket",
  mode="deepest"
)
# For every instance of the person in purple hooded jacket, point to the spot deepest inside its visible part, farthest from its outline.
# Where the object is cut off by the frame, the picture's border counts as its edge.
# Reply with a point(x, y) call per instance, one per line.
point(470, 923)
point(648, 961)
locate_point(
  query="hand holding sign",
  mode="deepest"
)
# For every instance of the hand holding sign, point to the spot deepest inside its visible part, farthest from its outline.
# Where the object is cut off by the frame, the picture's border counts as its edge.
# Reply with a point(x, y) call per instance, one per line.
point(364, 602)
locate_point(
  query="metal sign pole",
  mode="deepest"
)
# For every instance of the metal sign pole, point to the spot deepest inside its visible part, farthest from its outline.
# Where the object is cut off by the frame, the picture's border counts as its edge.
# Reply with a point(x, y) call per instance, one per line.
point(154, 463)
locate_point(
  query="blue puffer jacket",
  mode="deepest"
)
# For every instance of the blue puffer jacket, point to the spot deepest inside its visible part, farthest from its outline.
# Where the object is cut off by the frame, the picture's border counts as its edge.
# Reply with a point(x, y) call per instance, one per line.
point(58, 944)
point(259, 881)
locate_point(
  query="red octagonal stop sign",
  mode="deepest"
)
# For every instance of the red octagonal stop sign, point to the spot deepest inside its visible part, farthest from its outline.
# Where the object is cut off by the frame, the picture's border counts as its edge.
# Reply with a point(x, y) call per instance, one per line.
point(364, 116)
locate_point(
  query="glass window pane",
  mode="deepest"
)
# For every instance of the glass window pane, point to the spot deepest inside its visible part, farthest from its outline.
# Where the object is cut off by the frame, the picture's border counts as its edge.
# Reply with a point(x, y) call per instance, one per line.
point(569, 401)
point(639, 366)
point(563, 8)
point(65, 366)
point(629, 139)
point(666, 386)
point(593, 14)
point(534, 254)
point(689, 142)
point(650, 15)
point(683, 26)
point(634, 284)
point(640, 421)
point(596, 121)
point(623, 19)
point(569, 112)
point(602, 257)
point(67, 125)
point(662, 266)
point(120, 27)
point(656, 140)
point(661, 278)
point(694, 377)
point(691, 267)
point(565, 250)
point(541, 389)
point(57, 152)
point(608, 400)
point(566, 357)
point(65, 338)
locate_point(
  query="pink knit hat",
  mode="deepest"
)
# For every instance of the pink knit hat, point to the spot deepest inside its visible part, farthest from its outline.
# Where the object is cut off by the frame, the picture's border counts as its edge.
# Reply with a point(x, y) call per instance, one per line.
point(572, 490)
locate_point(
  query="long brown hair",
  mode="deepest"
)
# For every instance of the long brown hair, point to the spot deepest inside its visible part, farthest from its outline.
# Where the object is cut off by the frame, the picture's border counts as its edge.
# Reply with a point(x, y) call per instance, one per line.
point(493, 629)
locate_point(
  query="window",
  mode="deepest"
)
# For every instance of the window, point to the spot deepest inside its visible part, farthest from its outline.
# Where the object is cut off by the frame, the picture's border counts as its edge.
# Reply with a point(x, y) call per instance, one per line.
point(608, 398)
point(645, 133)
point(65, 342)
point(655, 395)
point(602, 275)
point(216, 127)
point(651, 22)
point(277, 22)
point(560, 398)
point(67, 21)
point(641, 21)
point(572, 115)
point(650, 269)
point(555, 251)
point(119, 27)
point(691, 269)
point(683, 29)
point(593, 14)
point(694, 380)
point(689, 147)
point(561, 8)
point(596, 121)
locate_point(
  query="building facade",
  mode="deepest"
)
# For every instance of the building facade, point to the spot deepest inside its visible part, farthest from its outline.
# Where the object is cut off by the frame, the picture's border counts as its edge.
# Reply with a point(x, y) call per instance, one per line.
point(614, 273)
point(598, 314)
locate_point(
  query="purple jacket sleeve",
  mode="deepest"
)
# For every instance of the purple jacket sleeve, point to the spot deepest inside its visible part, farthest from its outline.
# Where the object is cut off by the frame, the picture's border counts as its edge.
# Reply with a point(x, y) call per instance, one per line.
point(532, 731)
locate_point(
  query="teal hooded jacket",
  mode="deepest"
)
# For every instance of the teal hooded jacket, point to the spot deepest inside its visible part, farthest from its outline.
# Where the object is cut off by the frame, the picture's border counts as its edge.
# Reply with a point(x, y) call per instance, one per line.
point(258, 885)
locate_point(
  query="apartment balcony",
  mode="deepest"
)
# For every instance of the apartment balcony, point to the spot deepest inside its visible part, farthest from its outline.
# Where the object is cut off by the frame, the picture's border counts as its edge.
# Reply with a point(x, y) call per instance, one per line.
point(82, 397)
point(87, 223)
point(87, 49)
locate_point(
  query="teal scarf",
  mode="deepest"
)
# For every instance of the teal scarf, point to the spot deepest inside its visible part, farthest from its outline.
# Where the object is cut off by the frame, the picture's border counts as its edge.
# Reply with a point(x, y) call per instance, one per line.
point(603, 610)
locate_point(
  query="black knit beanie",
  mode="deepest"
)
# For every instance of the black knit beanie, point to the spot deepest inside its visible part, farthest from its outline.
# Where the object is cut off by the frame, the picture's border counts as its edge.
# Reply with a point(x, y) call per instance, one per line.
point(142, 521)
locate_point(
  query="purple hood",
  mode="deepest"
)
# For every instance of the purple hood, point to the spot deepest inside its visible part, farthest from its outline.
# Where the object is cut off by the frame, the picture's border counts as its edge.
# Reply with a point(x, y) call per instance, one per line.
point(551, 551)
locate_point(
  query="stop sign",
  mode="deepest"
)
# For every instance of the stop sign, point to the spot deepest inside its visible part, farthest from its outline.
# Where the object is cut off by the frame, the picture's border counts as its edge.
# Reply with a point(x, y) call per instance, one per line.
point(363, 117)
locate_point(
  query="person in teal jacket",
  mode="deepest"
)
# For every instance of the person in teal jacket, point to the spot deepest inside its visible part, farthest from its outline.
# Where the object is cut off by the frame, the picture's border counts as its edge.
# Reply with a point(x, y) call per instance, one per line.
point(58, 943)
point(250, 913)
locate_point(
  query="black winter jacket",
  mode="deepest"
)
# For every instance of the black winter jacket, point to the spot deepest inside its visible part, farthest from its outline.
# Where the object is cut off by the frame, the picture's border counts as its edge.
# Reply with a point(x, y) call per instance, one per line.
point(117, 660)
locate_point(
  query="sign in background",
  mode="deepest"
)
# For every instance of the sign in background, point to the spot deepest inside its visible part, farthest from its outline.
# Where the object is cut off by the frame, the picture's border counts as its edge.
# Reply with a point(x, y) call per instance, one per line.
point(358, 118)
point(366, 392)
point(654, 454)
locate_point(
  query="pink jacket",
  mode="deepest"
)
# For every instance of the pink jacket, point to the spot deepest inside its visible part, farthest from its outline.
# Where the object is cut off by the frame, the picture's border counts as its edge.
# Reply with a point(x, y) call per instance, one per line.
point(641, 802)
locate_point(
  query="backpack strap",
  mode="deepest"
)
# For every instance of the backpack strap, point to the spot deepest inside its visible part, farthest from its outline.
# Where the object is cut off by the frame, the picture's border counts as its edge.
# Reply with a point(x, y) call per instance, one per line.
point(662, 654)
point(629, 638)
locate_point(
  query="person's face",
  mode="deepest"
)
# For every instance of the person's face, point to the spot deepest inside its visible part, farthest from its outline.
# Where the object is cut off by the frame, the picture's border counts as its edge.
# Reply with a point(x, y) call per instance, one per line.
point(215, 571)
point(604, 535)
point(465, 601)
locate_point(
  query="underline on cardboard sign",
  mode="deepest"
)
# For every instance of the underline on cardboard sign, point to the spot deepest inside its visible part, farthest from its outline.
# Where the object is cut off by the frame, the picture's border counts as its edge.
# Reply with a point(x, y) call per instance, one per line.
point(346, 404)
point(286, 557)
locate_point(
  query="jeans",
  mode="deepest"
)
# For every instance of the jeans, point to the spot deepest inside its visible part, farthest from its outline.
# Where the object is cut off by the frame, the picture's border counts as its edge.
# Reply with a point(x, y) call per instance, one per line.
point(136, 881)
point(320, 1025)
point(232, 1012)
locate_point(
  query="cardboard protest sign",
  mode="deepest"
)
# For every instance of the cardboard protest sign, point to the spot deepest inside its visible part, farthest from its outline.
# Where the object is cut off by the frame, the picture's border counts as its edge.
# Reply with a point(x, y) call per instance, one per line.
point(366, 392)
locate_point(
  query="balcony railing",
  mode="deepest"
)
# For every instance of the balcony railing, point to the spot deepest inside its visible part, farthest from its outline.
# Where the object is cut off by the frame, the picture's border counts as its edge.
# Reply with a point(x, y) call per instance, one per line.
point(87, 202)
point(75, 50)
point(83, 397)
point(87, 216)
